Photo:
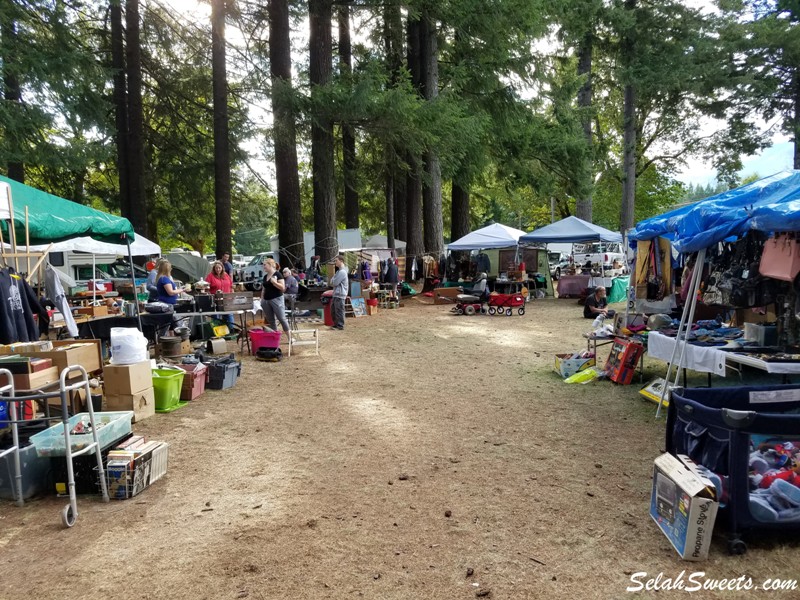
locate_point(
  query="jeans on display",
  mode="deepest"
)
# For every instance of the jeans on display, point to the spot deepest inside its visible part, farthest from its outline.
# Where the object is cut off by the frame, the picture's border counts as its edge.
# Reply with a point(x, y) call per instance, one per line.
point(274, 310)
point(337, 312)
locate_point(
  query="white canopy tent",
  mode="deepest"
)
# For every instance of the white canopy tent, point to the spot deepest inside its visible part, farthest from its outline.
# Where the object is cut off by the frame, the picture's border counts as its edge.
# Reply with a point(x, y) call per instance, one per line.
point(491, 236)
point(141, 246)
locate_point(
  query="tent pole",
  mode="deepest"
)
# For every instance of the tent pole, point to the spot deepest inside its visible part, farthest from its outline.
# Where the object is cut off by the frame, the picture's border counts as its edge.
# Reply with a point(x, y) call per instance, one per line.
point(12, 232)
point(685, 323)
point(133, 281)
point(27, 242)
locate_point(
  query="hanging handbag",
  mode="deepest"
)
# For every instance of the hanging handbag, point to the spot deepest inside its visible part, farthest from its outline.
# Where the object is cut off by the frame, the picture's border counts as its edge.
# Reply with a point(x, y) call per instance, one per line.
point(781, 257)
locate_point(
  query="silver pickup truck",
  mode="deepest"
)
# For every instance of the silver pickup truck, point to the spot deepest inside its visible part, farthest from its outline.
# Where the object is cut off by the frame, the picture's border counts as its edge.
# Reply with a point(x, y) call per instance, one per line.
point(609, 255)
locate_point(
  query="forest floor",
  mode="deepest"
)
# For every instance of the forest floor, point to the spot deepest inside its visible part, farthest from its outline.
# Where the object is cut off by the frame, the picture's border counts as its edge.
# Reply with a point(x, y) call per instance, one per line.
point(423, 455)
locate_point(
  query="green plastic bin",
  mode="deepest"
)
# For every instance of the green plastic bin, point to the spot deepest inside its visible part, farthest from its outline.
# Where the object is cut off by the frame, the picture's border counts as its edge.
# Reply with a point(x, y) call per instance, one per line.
point(167, 387)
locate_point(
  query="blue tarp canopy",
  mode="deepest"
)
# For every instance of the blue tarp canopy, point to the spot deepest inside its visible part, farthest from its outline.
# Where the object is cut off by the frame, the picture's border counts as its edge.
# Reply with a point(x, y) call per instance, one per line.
point(491, 236)
point(658, 226)
point(571, 230)
point(769, 204)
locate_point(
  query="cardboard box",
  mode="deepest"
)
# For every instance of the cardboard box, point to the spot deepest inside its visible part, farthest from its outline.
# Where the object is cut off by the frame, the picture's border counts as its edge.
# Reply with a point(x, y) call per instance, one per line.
point(68, 353)
point(92, 311)
point(445, 295)
point(684, 506)
point(142, 403)
point(747, 315)
point(372, 310)
point(127, 379)
point(566, 366)
point(186, 347)
point(623, 360)
point(34, 381)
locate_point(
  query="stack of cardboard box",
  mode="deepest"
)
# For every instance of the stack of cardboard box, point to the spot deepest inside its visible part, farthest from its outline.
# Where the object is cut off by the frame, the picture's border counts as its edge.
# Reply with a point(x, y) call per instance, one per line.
point(130, 387)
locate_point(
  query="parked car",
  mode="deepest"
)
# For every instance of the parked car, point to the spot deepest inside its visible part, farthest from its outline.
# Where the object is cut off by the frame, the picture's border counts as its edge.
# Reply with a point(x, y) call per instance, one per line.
point(607, 255)
point(253, 273)
point(559, 262)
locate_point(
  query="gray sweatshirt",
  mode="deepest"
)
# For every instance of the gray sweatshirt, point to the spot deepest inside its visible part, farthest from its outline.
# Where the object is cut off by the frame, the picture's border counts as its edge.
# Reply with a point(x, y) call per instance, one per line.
point(339, 283)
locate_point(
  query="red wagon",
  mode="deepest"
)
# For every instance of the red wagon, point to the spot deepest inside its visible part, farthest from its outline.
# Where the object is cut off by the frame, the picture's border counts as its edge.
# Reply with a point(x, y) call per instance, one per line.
point(500, 304)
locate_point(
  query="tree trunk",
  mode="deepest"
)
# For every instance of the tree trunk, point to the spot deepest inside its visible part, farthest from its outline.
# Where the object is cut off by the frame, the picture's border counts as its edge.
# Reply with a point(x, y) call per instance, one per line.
point(325, 235)
point(414, 239)
point(395, 194)
point(351, 208)
point(222, 159)
point(626, 220)
point(120, 104)
point(290, 223)
point(796, 124)
point(459, 223)
point(400, 213)
point(136, 195)
point(583, 206)
point(432, 191)
point(12, 95)
point(390, 210)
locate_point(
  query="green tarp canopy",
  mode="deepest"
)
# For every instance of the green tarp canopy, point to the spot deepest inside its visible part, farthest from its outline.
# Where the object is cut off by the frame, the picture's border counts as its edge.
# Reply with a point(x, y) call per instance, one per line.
point(53, 219)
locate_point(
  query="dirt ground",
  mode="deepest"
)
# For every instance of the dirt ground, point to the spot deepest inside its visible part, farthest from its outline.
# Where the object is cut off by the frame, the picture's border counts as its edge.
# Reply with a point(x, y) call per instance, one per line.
point(423, 455)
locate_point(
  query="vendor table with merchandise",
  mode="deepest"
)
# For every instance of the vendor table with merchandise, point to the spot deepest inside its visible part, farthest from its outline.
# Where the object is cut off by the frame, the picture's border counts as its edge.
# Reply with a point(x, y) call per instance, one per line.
point(100, 327)
point(573, 285)
point(771, 367)
point(704, 359)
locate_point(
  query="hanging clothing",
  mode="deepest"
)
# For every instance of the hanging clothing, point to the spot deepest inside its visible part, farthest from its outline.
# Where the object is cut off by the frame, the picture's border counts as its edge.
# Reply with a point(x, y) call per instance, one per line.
point(391, 273)
point(15, 325)
point(414, 269)
point(482, 263)
point(34, 307)
point(55, 291)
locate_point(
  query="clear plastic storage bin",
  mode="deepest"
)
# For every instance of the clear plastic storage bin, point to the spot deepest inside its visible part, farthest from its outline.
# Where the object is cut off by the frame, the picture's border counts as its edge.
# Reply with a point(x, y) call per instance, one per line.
point(111, 426)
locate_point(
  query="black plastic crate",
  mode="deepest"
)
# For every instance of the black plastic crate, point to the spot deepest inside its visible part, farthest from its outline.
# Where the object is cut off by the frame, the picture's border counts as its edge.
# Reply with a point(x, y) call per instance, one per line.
point(223, 374)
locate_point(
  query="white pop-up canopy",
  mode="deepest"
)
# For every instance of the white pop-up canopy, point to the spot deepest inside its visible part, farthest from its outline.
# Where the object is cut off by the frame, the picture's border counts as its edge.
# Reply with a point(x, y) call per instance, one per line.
point(491, 236)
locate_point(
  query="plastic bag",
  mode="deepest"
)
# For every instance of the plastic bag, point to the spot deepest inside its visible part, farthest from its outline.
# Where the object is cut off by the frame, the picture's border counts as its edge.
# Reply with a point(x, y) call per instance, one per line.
point(583, 376)
point(128, 346)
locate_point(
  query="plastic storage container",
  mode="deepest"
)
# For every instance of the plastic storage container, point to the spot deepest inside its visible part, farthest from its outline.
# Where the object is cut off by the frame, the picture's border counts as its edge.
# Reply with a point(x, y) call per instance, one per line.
point(111, 426)
point(264, 339)
point(194, 382)
point(33, 470)
point(736, 433)
point(167, 387)
point(222, 374)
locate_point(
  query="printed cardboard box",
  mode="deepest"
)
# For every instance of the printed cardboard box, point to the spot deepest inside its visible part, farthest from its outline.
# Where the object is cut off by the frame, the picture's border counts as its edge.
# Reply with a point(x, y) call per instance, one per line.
point(566, 366)
point(684, 506)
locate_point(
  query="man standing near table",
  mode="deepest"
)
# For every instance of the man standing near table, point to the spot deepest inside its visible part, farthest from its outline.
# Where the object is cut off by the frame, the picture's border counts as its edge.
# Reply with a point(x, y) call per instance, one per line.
point(226, 264)
point(339, 284)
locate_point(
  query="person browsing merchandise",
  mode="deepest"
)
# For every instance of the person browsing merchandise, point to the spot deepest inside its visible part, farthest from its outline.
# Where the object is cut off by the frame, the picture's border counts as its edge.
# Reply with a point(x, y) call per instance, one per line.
point(339, 285)
point(272, 296)
point(166, 290)
point(226, 264)
point(596, 304)
point(220, 281)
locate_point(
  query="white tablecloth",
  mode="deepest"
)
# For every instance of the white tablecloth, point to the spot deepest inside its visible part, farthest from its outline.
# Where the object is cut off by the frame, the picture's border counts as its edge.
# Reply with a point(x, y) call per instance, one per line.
point(705, 359)
point(784, 368)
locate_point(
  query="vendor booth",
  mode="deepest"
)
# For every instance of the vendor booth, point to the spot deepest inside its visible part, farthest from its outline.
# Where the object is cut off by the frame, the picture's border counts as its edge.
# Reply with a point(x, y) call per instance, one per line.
point(495, 250)
point(574, 230)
